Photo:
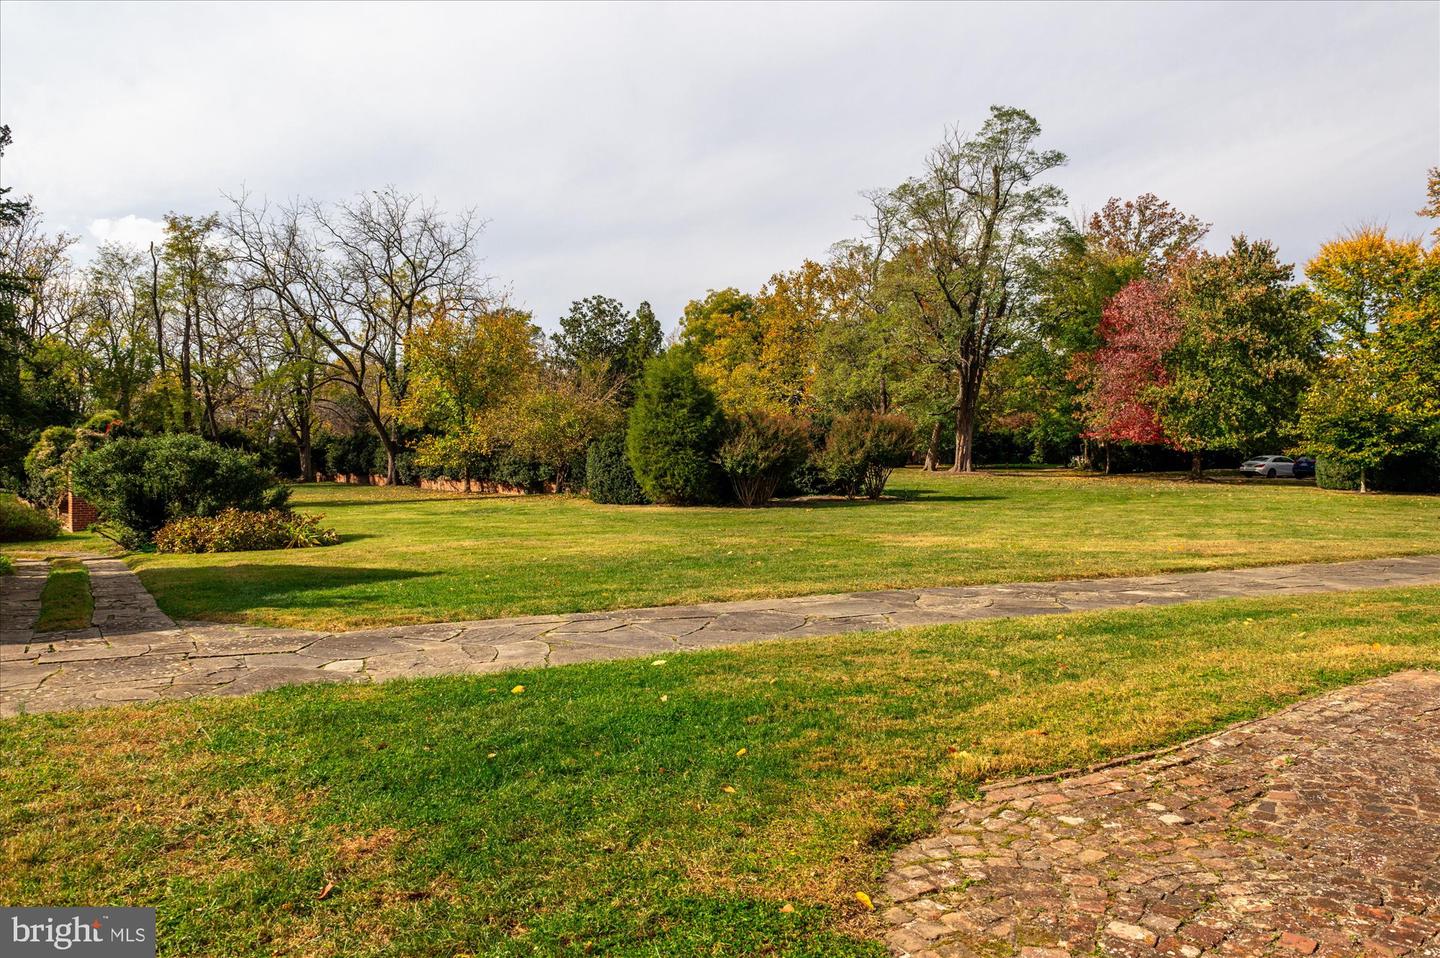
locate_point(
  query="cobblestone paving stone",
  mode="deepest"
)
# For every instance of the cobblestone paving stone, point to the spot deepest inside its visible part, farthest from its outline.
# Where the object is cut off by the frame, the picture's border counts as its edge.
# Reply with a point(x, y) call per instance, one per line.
point(1314, 831)
point(133, 652)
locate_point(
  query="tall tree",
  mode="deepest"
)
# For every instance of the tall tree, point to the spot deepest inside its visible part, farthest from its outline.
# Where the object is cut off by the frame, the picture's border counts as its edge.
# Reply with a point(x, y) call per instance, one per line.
point(462, 367)
point(1246, 350)
point(118, 326)
point(1360, 277)
point(599, 340)
point(1378, 395)
point(965, 232)
point(1138, 330)
point(361, 275)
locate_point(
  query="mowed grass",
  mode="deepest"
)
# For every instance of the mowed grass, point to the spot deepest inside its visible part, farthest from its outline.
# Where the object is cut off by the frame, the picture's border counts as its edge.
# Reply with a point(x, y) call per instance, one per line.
point(412, 556)
point(65, 602)
point(609, 809)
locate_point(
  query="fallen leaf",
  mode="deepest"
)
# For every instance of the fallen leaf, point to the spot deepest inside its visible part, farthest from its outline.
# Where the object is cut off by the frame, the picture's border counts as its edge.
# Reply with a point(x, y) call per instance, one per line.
point(664, 698)
point(659, 662)
point(728, 790)
point(741, 753)
point(787, 909)
point(492, 754)
point(864, 899)
point(517, 690)
point(325, 892)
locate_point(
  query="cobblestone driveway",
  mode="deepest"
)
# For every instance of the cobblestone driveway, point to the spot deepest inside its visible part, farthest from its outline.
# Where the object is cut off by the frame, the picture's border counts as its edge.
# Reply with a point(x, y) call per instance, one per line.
point(133, 652)
point(1314, 831)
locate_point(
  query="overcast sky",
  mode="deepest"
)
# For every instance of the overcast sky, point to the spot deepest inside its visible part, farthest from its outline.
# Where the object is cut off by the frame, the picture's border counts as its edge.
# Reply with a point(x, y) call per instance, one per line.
point(657, 151)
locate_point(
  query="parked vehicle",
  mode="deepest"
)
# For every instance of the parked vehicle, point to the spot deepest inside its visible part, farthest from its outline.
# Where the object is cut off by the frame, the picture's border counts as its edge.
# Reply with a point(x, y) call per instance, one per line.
point(1269, 466)
point(1304, 467)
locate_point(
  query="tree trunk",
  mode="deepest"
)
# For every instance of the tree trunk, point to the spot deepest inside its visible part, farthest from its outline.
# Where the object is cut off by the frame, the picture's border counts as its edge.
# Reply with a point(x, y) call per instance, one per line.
point(392, 467)
point(155, 308)
point(1196, 465)
point(187, 413)
point(965, 431)
point(307, 451)
point(1107, 457)
point(1362, 481)
point(932, 450)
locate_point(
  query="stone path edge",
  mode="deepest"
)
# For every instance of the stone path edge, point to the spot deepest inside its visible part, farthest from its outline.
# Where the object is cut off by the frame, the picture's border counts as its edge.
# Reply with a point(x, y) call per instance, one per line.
point(134, 652)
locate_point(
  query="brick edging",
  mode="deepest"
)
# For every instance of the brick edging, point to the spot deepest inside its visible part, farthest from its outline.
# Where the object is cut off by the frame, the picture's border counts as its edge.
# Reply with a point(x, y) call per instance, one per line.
point(989, 787)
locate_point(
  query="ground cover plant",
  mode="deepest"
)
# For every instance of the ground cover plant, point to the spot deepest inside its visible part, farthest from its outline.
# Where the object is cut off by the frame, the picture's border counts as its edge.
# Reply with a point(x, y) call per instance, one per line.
point(65, 602)
point(408, 555)
point(234, 530)
point(630, 808)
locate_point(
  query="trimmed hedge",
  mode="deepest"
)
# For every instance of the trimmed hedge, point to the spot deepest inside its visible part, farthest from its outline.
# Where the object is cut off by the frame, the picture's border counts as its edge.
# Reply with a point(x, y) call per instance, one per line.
point(236, 531)
point(608, 476)
point(1414, 473)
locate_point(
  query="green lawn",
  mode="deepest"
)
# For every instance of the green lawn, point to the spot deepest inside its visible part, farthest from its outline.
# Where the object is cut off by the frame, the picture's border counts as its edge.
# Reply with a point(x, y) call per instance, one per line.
point(65, 603)
point(413, 556)
point(608, 809)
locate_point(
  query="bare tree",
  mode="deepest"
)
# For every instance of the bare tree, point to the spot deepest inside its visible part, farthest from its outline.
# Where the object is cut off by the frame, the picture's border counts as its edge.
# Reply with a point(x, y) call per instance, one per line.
point(961, 235)
point(360, 275)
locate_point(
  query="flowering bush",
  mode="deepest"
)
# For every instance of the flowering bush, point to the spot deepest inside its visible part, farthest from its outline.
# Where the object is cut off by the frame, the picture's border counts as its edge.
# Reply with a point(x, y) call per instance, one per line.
point(234, 530)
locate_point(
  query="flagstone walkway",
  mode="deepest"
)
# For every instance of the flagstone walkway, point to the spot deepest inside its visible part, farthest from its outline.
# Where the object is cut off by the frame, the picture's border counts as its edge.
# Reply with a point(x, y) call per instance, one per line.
point(1312, 831)
point(134, 652)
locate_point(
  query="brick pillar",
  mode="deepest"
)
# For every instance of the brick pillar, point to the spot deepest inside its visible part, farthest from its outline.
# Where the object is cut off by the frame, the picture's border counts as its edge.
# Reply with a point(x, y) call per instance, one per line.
point(78, 514)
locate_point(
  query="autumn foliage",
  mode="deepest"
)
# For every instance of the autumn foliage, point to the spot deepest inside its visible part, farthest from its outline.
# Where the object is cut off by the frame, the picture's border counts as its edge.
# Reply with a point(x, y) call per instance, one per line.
point(1137, 327)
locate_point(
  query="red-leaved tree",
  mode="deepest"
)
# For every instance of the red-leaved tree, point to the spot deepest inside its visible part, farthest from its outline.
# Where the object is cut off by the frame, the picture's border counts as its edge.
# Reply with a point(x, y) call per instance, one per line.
point(1138, 326)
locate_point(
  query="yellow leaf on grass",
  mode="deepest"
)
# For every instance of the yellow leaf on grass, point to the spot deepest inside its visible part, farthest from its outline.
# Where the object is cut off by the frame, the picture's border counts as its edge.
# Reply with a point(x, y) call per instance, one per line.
point(864, 899)
point(787, 909)
point(517, 690)
point(728, 790)
point(741, 753)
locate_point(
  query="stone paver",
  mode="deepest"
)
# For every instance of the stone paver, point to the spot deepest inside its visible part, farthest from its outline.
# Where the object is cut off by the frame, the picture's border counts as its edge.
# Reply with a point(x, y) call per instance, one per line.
point(1314, 831)
point(20, 601)
point(133, 652)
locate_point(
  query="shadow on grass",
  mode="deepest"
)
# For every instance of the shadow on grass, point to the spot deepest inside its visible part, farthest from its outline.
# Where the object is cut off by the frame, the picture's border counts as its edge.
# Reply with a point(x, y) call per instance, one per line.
point(220, 593)
point(356, 536)
point(890, 498)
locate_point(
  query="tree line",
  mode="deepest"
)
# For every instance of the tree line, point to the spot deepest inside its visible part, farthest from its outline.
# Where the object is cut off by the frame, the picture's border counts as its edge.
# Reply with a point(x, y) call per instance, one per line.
point(365, 333)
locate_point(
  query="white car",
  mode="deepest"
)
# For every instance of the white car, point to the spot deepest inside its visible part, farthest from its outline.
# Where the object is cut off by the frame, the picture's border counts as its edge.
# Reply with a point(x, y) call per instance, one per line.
point(1269, 466)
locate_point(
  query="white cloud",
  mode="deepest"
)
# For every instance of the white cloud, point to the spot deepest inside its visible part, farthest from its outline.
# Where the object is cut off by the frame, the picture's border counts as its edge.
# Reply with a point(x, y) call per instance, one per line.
point(652, 151)
point(130, 230)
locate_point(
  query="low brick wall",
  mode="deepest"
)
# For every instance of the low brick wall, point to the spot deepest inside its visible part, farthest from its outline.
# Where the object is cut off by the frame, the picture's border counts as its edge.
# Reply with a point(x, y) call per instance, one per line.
point(477, 486)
